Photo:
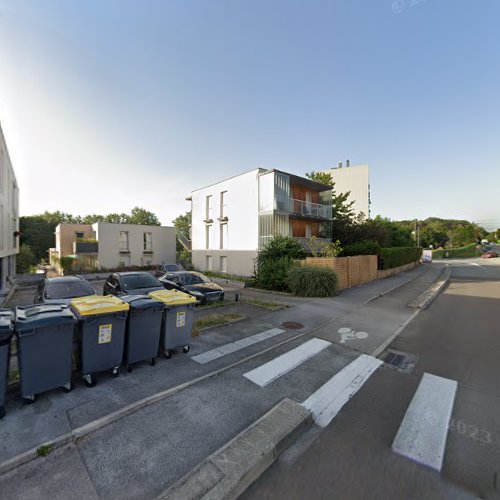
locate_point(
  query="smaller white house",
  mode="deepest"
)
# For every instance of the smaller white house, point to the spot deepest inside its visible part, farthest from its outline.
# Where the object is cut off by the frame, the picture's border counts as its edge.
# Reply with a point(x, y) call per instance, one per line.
point(105, 245)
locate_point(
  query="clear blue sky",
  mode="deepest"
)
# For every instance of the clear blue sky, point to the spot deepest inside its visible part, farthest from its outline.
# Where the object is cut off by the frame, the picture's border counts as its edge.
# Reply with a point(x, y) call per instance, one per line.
point(108, 104)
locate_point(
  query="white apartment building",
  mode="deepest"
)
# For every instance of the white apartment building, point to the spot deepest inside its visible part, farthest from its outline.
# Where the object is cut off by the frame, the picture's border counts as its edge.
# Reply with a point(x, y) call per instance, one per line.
point(9, 217)
point(234, 218)
point(355, 179)
point(105, 245)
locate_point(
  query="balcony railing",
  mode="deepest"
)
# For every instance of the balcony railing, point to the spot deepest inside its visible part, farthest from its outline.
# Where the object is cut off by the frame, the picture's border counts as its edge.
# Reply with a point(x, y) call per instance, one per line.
point(304, 208)
point(88, 247)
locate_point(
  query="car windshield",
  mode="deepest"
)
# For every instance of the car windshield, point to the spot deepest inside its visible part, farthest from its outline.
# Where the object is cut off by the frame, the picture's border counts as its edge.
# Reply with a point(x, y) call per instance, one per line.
point(68, 290)
point(171, 267)
point(193, 279)
point(135, 281)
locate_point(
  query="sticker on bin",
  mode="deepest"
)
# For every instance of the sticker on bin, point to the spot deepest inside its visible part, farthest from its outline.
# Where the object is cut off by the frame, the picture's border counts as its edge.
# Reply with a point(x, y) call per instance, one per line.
point(181, 319)
point(104, 334)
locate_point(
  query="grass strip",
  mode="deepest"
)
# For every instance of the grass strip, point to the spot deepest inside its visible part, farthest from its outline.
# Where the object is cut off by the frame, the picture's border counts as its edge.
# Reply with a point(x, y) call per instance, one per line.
point(213, 320)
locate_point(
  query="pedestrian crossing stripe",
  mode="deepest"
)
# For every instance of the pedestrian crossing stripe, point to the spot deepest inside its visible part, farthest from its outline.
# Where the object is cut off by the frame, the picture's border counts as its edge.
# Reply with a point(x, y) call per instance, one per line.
point(266, 373)
point(424, 429)
point(329, 399)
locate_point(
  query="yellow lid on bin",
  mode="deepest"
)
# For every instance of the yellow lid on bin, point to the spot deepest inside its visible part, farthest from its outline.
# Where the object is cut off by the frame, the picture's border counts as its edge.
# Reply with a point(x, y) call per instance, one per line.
point(96, 304)
point(172, 297)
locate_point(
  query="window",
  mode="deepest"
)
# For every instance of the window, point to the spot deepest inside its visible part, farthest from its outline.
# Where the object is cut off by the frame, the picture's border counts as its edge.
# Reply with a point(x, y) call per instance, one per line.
point(208, 207)
point(223, 236)
point(148, 242)
point(79, 236)
point(124, 241)
point(208, 230)
point(209, 263)
point(223, 204)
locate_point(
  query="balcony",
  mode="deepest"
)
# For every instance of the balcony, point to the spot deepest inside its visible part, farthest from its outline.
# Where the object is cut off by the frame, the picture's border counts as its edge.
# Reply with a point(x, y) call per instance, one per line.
point(303, 208)
point(85, 247)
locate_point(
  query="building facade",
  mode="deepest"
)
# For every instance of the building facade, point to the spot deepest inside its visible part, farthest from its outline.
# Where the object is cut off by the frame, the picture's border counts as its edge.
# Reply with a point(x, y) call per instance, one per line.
point(9, 218)
point(233, 219)
point(112, 246)
point(356, 180)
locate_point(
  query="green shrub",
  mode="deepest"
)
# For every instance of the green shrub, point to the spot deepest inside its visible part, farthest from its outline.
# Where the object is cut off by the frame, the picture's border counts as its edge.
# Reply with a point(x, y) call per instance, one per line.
point(281, 246)
point(312, 281)
point(361, 248)
point(25, 259)
point(457, 253)
point(398, 256)
point(272, 273)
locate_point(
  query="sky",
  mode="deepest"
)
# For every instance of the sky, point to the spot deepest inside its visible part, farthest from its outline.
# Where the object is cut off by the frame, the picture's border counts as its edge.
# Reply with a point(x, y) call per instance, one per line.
point(110, 104)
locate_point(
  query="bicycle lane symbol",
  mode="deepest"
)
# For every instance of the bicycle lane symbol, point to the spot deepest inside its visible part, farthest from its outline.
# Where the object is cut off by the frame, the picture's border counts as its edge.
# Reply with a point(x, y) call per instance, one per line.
point(348, 334)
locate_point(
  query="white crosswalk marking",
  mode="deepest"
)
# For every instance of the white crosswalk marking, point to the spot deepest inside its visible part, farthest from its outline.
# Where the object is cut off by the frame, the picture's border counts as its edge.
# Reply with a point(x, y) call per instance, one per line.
point(423, 432)
point(270, 371)
point(225, 349)
point(329, 399)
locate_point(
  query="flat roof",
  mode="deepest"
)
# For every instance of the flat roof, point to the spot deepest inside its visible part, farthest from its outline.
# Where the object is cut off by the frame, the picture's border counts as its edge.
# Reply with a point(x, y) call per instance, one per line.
point(295, 179)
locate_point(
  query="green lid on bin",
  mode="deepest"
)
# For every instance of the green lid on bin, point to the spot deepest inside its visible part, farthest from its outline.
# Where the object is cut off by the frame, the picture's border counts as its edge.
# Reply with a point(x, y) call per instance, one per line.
point(172, 297)
point(95, 304)
point(141, 301)
point(40, 315)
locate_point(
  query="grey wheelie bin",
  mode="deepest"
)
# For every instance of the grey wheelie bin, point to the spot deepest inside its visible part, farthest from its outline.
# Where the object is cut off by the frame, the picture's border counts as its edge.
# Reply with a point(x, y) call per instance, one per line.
point(44, 348)
point(177, 321)
point(142, 335)
point(101, 334)
point(6, 333)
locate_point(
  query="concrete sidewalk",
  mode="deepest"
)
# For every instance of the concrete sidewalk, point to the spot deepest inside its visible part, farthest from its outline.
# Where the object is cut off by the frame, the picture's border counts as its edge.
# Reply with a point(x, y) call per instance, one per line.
point(55, 414)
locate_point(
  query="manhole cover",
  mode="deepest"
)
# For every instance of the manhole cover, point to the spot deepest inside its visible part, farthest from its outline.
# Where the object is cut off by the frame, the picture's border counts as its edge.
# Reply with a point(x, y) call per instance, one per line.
point(292, 325)
point(401, 361)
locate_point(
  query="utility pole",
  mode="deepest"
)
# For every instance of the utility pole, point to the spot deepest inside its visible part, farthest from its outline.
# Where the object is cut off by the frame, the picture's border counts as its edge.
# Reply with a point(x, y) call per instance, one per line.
point(417, 233)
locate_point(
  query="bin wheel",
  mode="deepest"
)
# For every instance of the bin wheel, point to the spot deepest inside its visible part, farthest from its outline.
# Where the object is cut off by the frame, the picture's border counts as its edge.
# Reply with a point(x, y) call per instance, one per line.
point(2, 412)
point(185, 349)
point(30, 399)
point(67, 388)
point(89, 380)
point(116, 371)
point(167, 354)
point(129, 368)
point(153, 361)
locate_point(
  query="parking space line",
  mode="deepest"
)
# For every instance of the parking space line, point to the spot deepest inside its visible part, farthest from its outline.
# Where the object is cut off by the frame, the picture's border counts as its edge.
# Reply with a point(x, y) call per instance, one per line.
point(423, 432)
point(223, 350)
point(329, 399)
point(277, 367)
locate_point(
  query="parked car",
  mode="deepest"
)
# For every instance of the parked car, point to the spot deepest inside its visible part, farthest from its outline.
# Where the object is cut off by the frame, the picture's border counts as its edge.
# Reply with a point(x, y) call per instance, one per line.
point(131, 283)
point(490, 254)
point(168, 268)
point(196, 284)
point(62, 290)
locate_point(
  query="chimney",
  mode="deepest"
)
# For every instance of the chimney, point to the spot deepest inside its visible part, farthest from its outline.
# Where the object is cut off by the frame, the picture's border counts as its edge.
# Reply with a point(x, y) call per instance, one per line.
point(339, 165)
point(347, 163)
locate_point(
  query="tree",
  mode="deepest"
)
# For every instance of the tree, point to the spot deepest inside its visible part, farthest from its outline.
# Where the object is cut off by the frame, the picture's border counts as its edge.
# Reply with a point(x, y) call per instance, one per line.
point(25, 259)
point(183, 223)
point(321, 177)
point(343, 214)
point(143, 217)
point(464, 235)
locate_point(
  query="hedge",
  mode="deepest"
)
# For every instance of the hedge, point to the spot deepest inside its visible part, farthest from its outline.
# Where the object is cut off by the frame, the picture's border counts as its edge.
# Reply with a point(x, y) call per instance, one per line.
point(361, 248)
point(398, 256)
point(457, 253)
point(312, 281)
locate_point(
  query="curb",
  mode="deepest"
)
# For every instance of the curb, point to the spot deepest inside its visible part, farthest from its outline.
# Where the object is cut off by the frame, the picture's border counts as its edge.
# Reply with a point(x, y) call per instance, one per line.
point(233, 468)
point(94, 425)
point(426, 298)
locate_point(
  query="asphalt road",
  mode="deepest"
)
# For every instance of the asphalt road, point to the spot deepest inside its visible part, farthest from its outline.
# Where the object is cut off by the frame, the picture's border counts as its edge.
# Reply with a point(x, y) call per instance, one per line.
point(148, 450)
point(456, 338)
